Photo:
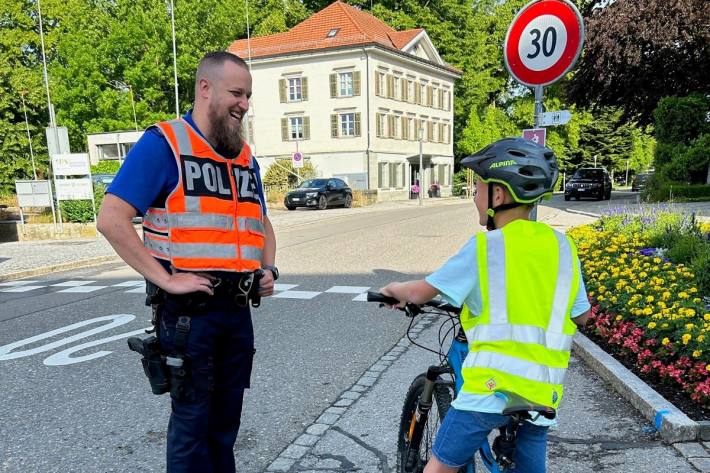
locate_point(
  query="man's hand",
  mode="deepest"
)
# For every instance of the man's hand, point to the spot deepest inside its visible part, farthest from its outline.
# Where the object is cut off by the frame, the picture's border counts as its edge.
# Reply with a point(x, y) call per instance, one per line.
point(266, 284)
point(185, 283)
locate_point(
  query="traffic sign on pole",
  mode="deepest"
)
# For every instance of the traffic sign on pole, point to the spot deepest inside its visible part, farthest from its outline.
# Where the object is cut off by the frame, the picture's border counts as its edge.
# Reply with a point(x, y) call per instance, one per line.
point(559, 117)
point(536, 135)
point(543, 42)
point(297, 160)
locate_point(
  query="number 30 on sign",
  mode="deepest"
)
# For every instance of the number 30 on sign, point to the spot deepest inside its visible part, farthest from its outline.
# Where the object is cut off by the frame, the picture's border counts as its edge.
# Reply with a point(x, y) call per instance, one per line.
point(543, 42)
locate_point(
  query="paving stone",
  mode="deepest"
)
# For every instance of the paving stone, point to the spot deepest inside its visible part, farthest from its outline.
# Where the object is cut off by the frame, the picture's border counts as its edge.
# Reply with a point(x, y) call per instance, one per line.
point(307, 440)
point(691, 449)
point(336, 410)
point(388, 358)
point(281, 464)
point(343, 402)
point(351, 394)
point(372, 374)
point(378, 368)
point(367, 381)
point(328, 418)
point(359, 389)
point(702, 464)
point(317, 429)
point(294, 451)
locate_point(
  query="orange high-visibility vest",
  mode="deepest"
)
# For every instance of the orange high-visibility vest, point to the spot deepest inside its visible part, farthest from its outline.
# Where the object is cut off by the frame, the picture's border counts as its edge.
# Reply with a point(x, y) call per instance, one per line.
point(212, 220)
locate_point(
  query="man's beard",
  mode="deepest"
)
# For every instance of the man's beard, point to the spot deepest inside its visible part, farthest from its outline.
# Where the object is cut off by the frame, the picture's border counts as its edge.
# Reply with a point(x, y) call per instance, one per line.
point(227, 137)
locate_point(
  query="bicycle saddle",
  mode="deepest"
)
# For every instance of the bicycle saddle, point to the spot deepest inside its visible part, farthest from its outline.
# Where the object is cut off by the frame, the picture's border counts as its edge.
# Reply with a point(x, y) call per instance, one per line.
point(515, 404)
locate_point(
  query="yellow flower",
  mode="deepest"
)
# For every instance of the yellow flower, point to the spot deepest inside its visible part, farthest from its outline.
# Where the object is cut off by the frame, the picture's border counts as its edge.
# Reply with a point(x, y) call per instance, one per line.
point(652, 325)
point(697, 353)
point(707, 367)
point(665, 341)
point(666, 295)
point(693, 290)
point(683, 295)
point(689, 326)
point(706, 317)
point(686, 338)
point(701, 338)
point(649, 299)
point(618, 317)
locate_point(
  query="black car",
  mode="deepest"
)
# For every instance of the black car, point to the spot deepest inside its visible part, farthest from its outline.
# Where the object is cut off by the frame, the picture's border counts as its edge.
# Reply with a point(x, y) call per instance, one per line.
point(640, 181)
point(319, 193)
point(589, 182)
point(103, 179)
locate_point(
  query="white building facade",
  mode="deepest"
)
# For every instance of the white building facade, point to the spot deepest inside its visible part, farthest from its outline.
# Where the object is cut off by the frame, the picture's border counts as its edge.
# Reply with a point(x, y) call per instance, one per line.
point(355, 111)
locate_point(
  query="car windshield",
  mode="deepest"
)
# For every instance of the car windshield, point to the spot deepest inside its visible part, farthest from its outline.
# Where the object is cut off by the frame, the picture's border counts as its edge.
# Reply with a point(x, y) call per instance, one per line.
point(310, 183)
point(589, 174)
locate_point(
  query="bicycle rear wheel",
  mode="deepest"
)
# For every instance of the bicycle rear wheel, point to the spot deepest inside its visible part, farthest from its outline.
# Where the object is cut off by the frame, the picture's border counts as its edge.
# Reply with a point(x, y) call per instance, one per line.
point(440, 405)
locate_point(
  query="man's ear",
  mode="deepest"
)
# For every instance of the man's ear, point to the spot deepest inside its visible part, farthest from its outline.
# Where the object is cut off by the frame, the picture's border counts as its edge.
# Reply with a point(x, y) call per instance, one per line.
point(203, 87)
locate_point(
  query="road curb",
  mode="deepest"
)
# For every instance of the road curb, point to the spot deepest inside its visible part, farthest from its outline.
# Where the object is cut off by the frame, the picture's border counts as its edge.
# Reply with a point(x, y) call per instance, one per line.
point(673, 425)
point(27, 273)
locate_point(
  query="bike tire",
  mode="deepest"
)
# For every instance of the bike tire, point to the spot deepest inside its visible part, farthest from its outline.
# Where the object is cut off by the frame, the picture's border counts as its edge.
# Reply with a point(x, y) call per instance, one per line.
point(442, 401)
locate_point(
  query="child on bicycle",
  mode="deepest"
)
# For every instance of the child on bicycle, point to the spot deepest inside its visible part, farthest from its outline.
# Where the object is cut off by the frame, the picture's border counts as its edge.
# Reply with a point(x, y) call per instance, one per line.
point(521, 291)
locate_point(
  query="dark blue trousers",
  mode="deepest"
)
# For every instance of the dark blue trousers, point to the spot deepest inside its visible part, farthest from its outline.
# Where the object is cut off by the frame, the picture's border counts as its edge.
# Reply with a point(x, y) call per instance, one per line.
point(205, 421)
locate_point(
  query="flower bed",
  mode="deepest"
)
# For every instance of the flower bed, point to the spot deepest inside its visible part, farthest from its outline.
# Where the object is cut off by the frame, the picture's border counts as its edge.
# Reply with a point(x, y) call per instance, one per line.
point(647, 309)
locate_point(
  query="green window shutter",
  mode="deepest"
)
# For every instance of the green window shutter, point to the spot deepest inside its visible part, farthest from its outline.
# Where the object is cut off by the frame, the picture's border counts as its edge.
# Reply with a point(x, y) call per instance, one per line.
point(306, 128)
point(405, 129)
point(378, 124)
point(417, 93)
point(304, 88)
point(282, 90)
point(378, 92)
point(429, 96)
point(284, 129)
point(430, 131)
point(333, 85)
point(390, 86)
point(448, 102)
point(403, 85)
point(356, 83)
point(357, 124)
point(441, 99)
point(334, 125)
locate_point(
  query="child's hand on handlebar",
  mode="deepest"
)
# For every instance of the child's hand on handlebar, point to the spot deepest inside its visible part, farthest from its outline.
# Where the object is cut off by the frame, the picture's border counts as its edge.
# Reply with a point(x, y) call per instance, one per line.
point(394, 289)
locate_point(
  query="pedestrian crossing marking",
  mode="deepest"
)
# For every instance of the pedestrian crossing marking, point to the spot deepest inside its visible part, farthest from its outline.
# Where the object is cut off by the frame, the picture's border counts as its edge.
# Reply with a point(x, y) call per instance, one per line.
point(361, 297)
point(348, 289)
point(138, 289)
point(17, 283)
point(284, 287)
point(22, 288)
point(72, 283)
point(82, 289)
point(297, 294)
point(137, 282)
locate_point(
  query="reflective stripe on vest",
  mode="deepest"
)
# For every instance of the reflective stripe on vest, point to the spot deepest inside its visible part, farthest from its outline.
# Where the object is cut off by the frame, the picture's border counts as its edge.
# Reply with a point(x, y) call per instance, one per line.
point(213, 218)
point(522, 339)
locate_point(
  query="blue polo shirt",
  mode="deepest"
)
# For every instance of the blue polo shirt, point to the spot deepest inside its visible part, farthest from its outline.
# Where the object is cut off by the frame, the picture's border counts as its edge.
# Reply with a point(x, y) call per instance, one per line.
point(149, 172)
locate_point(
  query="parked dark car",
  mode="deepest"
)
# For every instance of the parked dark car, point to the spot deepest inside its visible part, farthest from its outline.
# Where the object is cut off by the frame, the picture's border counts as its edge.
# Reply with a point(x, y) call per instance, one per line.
point(589, 182)
point(640, 180)
point(319, 193)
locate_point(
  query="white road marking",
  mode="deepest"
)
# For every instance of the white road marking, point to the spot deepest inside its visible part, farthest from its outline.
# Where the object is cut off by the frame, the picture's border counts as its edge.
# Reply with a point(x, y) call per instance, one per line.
point(348, 289)
point(17, 283)
point(73, 283)
point(83, 289)
point(284, 287)
point(296, 295)
point(22, 288)
point(361, 297)
point(129, 283)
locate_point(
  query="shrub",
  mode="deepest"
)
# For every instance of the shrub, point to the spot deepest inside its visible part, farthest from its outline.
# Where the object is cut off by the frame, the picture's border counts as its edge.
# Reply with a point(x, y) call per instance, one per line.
point(106, 167)
point(81, 211)
point(282, 174)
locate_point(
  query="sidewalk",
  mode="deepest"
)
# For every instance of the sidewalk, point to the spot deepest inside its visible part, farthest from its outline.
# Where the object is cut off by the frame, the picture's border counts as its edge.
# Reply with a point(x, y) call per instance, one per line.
point(597, 430)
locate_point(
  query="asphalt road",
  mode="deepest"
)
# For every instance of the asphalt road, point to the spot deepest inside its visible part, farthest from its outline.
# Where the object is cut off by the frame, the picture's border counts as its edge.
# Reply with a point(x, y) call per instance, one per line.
point(75, 398)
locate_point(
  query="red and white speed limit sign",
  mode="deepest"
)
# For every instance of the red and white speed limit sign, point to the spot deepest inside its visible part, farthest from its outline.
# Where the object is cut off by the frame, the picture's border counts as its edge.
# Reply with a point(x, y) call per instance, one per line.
point(543, 41)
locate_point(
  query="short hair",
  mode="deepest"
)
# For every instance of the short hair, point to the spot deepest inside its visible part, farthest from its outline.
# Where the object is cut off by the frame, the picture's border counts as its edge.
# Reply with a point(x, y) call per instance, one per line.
point(211, 61)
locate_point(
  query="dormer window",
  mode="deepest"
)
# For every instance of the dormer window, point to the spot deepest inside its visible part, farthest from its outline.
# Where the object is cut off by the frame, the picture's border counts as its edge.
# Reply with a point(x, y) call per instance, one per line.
point(332, 33)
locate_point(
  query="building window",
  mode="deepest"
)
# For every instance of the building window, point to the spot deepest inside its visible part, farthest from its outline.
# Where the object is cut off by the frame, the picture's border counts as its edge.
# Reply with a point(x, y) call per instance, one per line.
point(294, 90)
point(396, 83)
point(347, 124)
point(332, 33)
point(382, 175)
point(379, 83)
point(296, 126)
point(346, 84)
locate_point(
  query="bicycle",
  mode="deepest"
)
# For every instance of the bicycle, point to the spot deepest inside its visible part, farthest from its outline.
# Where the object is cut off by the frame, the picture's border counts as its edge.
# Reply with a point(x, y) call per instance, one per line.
point(430, 395)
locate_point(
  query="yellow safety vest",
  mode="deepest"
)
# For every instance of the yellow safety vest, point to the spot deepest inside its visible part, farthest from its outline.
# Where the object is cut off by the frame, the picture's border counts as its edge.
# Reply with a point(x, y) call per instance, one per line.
point(521, 340)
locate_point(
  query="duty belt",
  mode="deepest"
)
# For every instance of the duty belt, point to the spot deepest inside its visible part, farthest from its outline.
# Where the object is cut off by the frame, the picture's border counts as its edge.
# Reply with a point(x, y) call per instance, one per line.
point(241, 291)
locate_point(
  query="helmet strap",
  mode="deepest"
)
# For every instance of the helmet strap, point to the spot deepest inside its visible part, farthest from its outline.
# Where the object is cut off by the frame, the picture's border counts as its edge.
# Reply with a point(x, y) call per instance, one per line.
point(491, 212)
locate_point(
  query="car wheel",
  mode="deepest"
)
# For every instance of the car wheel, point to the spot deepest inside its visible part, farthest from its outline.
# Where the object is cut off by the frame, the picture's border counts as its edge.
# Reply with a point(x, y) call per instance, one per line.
point(567, 197)
point(322, 203)
point(348, 201)
point(290, 207)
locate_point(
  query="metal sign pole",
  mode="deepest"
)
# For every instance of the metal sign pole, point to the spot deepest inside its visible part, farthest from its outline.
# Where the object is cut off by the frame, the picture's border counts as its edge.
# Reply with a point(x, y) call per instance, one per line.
point(539, 91)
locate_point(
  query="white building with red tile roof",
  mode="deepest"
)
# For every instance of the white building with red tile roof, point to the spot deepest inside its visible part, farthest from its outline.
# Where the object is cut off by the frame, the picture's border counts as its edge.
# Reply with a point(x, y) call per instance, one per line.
point(353, 95)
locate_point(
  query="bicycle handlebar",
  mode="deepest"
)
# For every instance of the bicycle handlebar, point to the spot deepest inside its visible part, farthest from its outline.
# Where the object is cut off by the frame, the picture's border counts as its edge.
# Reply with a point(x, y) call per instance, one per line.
point(373, 296)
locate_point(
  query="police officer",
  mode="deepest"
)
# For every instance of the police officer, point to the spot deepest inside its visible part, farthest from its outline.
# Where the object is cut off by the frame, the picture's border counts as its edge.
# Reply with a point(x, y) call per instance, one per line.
point(206, 235)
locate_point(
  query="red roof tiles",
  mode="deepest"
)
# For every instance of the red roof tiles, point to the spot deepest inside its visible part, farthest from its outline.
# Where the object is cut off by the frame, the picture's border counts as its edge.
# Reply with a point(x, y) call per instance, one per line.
point(355, 27)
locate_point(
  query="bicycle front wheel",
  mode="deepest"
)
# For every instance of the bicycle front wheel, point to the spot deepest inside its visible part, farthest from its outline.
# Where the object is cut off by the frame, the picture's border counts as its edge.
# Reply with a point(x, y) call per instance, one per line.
point(412, 458)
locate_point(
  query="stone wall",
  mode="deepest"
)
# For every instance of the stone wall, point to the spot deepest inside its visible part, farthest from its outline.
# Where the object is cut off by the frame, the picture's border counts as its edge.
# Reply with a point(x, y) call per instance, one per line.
point(15, 231)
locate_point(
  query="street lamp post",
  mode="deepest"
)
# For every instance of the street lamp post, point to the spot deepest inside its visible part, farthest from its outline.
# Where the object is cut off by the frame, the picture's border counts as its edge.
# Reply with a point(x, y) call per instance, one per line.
point(172, 21)
point(29, 137)
point(421, 165)
point(626, 181)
